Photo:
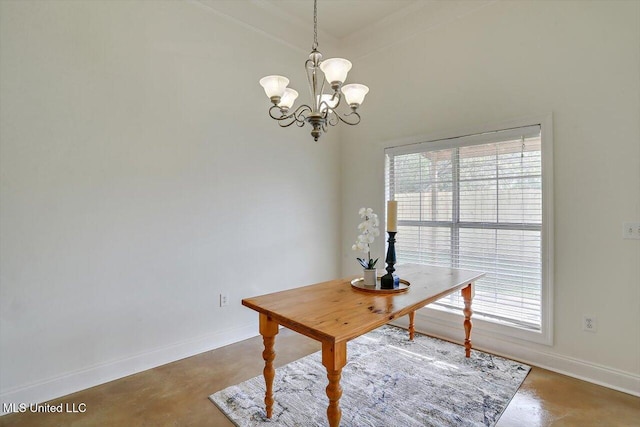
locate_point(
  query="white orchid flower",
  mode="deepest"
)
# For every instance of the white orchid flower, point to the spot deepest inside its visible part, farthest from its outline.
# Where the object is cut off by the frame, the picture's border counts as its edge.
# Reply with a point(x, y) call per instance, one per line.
point(369, 231)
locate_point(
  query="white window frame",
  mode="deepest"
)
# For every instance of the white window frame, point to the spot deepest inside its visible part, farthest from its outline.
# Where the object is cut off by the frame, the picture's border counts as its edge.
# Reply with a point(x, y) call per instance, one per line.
point(446, 318)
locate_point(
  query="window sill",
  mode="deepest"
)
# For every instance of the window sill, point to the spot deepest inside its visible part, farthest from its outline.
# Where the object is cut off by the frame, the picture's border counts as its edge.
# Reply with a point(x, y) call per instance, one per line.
point(508, 332)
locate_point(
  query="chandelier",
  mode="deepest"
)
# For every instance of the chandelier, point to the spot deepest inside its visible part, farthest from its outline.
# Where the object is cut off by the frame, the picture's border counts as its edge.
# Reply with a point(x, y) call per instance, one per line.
point(323, 109)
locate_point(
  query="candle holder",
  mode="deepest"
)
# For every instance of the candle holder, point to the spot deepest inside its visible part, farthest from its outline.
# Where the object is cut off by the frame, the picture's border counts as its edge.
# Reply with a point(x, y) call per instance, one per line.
point(390, 280)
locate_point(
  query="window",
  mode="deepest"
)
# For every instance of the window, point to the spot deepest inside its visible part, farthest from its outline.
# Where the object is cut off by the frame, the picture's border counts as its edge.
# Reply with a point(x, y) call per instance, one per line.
point(476, 202)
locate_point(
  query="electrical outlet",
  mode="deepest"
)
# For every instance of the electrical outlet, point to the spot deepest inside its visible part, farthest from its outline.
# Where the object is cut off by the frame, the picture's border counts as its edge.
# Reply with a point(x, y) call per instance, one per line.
point(589, 324)
point(224, 300)
point(631, 230)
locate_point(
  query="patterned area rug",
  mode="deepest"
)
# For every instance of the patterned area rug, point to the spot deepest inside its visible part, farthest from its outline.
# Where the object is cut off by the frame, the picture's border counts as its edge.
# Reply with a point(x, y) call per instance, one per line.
point(388, 381)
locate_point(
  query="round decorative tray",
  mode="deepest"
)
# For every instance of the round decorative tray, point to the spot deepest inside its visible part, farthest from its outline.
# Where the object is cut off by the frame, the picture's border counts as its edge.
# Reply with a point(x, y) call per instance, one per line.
point(359, 284)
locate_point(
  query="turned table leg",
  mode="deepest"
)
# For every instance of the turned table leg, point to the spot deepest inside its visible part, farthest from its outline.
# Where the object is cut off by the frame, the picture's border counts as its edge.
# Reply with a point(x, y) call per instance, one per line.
point(334, 357)
point(467, 295)
point(268, 330)
point(412, 326)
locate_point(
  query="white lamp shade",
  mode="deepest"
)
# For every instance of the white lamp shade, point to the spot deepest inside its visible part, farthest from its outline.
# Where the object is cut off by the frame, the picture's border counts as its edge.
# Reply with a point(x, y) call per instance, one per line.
point(288, 98)
point(354, 93)
point(335, 69)
point(327, 99)
point(274, 85)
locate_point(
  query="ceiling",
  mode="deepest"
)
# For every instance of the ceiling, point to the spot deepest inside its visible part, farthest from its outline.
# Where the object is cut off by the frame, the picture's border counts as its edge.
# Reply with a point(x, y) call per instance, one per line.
point(345, 27)
point(340, 18)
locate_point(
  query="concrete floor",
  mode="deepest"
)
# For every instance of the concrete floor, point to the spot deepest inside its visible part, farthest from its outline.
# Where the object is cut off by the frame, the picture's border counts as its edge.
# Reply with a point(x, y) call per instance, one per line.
point(176, 394)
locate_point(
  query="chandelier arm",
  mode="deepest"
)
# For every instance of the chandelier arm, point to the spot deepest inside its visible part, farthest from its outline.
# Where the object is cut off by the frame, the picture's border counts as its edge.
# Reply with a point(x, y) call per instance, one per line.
point(285, 120)
point(332, 118)
point(324, 79)
point(281, 117)
point(329, 109)
point(349, 122)
point(300, 113)
point(286, 125)
point(324, 106)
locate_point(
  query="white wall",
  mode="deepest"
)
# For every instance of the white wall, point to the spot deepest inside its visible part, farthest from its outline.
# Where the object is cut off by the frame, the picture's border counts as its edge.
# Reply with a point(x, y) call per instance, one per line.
point(141, 177)
point(577, 60)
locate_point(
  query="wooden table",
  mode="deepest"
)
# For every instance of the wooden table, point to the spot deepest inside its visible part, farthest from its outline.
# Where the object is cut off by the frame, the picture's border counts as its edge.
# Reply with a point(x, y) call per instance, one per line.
point(333, 313)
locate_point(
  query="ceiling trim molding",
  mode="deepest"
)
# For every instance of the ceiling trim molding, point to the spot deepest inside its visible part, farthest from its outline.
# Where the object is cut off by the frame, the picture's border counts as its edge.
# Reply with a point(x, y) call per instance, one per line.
point(271, 22)
point(293, 32)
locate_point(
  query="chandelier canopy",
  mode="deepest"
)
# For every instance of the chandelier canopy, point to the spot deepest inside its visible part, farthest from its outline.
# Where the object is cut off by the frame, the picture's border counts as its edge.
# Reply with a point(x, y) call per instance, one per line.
point(323, 108)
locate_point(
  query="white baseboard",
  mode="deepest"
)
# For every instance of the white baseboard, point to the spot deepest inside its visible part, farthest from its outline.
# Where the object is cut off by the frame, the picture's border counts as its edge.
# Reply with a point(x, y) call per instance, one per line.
point(626, 382)
point(81, 379)
point(74, 381)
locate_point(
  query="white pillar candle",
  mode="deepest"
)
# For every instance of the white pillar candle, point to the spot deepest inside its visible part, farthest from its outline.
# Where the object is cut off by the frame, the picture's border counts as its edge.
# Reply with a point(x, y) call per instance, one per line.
point(392, 215)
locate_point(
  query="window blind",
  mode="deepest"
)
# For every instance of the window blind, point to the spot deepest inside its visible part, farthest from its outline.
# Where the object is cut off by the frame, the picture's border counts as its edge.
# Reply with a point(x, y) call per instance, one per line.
point(475, 203)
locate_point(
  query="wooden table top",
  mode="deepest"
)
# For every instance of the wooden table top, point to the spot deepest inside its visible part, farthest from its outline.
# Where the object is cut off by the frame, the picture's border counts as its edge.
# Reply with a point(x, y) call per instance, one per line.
point(333, 311)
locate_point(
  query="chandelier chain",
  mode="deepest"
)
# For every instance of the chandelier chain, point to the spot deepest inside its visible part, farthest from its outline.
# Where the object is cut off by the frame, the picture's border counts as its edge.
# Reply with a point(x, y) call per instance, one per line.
point(315, 25)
